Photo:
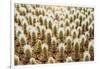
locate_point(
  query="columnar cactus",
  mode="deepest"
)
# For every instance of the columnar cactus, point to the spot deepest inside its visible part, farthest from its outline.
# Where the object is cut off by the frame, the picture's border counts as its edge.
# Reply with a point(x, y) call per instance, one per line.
point(74, 33)
point(51, 60)
point(54, 28)
point(77, 22)
point(91, 49)
point(61, 49)
point(86, 56)
point(22, 39)
point(28, 51)
point(67, 22)
point(76, 50)
point(39, 46)
point(33, 61)
point(90, 28)
point(54, 44)
point(79, 29)
point(22, 11)
point(41, 19)
point(69, 43)
point(43, 29)
point(83, 27)
point(16, 60)
point(82, 43)
point(61, 34)
point(67, 31)
point(48, 35)
point(69, 59)
point(45, 52)
point(33, 33)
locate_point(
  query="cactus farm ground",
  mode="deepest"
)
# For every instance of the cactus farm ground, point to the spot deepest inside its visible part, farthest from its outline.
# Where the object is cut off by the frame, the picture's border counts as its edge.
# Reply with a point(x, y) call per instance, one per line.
point(47, 34)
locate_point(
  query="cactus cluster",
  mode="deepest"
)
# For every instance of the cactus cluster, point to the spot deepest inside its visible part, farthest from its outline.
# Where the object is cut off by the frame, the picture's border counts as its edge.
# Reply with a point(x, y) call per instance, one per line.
point(53, 34)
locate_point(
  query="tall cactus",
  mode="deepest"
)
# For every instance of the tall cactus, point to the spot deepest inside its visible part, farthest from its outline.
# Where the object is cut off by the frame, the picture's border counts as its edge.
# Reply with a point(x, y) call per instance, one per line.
point(33, 61)
point(16, 60)
point(51, 60)
point(45, 52)
point(76, 49)
point(86, 56)
point(28, 51)
point(61, 49)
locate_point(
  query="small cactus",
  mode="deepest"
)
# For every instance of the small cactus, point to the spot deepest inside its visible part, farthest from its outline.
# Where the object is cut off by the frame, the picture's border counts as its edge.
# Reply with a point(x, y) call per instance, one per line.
point(54, 44)
point(28, 51)
point(22, 39)
point(82, 42)
point(33, 61)
point(16, 60)
point(55, 27)
point(67, 31)
point(61, 49)
point(69, 44)
point(48, 35)
point(51, 60)
point(91, 49)
point(39, 46)
point(86, 56)
point(61, 34)
point(76, 49)
point(69, 59)
point(74, 33)
point(79, 29)
point(45, 51)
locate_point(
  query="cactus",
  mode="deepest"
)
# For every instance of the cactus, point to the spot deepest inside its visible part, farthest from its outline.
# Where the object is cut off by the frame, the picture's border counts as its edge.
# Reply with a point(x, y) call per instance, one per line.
point(69, 43)
point(67, 23)
point(51, 60)
point(69, 59)
point(55, 29)
point(45, 51)
point(76, 49)
point(74, 33)
point(43, 29)
point(67, 31)
point(38, 46)
point(83, 27)
point(33, 61)
point(41, 19)
point(61, 49)
point(16, 60)
point(82, 43)
point(22, 39)
point(50, 23)
point(48, 36)
point(90, 28)
point(54, 44)
point(28, 51)
point(86, 56)
point(61, 34)
point(79, 29)
point(91, 49)
point(34, 39)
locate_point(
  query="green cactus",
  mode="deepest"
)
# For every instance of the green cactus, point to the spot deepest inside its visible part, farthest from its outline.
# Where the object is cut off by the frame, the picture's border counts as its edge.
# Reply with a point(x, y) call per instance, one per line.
point(28, 51)
point(69, 44)
point(86, 56)
point(16, 60)
point(33, 61)
point(51, 60)
point(45, 52)
point(34, 39)
point(76, 49)
point(38, 46)
point(61, 36)
point(69, 59)
point(55, 30)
